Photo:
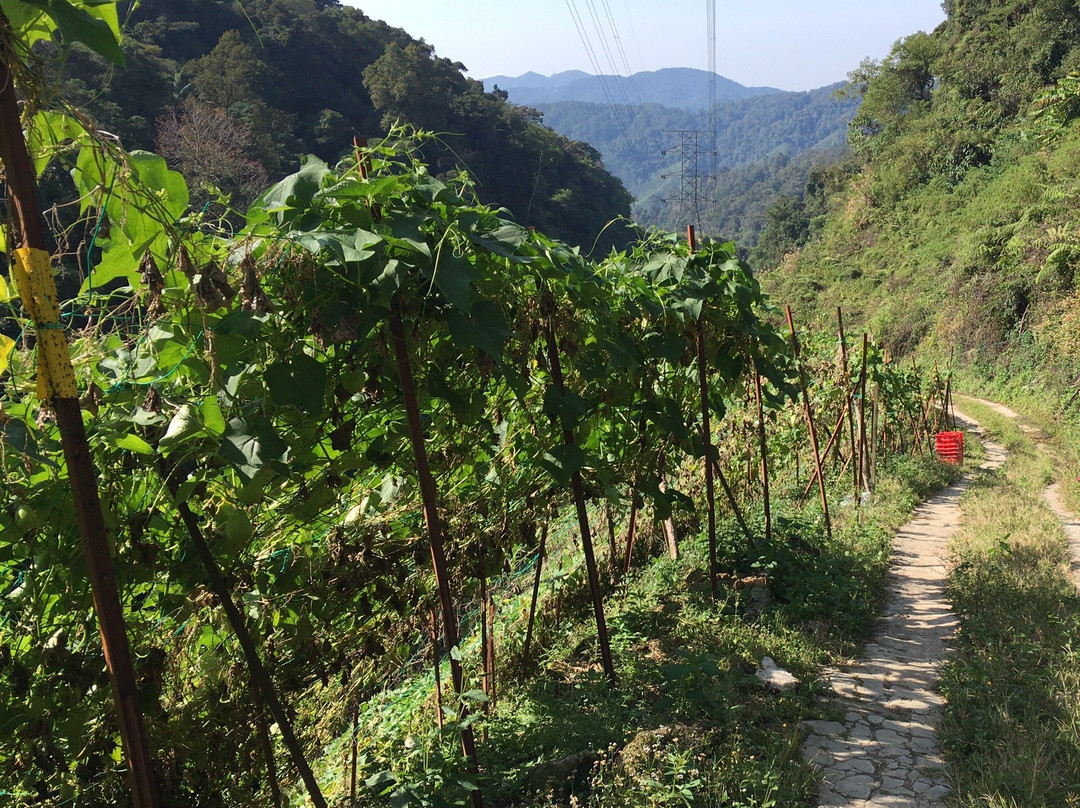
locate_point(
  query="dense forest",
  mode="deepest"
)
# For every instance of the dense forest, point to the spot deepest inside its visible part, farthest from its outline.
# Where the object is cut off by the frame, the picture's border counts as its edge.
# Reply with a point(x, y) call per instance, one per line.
point(232, 94)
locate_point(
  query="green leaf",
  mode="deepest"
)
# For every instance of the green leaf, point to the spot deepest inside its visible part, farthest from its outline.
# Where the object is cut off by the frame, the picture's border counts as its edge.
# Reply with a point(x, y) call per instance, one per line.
point(167, 185)
point(133, 443)
point(76, 24)
point(563, 461)
point(455, 276)
point(565, 405)
point(483, 328)
point(184, 425)
point(299, 382)
point(295, 192)
point(47, 132)
point(6, 344)
point(249, 447)
point(213, 420)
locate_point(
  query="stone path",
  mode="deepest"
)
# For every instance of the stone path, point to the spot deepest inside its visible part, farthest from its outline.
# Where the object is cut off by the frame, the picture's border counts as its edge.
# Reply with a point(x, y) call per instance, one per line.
point(884, 752)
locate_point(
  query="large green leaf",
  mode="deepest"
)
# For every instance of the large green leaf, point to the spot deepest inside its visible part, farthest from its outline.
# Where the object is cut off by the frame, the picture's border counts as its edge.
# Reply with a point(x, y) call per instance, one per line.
point(562, 461)
point(300, 382)
point(77, 24)
point(296, 191)
point(251, 446)
point(484, 328)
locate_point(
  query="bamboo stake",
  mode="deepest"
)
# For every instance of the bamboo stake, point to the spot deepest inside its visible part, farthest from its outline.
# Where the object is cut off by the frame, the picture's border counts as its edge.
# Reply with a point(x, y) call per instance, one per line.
point(810, 424)
point(862, 417)
point(535, 596)
point(433, 525)
point(832, 439)
point(433, 632)
point(706, 428)
point(764, 456)
point(671, 536)
point(259, 675)
point(583, 522)
point(486, 680)
point(851, 413)
point(616, 569)
point(355, 741)
point(267, 747)
point(33, 273)
point(631, 531)
point(733, 503)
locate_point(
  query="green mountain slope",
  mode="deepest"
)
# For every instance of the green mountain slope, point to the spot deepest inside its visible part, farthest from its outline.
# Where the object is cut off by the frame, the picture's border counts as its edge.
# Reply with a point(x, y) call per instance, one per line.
point(764, 149)
point(955, 231)
point(232, 93)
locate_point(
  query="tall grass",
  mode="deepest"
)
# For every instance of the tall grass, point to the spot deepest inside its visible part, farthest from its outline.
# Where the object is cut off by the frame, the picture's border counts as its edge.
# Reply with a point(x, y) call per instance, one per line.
point(1011, 731)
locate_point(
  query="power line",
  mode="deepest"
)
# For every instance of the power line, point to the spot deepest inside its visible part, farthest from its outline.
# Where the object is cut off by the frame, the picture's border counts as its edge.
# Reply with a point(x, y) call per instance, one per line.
point(711, 27)
point(594, 61)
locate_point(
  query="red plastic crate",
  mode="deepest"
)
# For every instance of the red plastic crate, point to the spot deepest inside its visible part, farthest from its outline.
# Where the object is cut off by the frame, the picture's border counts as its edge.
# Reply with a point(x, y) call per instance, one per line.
point(950, 447)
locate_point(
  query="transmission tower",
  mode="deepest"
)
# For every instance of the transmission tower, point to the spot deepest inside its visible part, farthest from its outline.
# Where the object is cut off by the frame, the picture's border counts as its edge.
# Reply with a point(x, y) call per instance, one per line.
point(691, 145)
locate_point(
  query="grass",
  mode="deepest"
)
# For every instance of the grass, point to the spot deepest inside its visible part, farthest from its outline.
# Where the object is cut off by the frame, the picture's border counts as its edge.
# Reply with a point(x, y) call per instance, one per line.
point(1011, 731)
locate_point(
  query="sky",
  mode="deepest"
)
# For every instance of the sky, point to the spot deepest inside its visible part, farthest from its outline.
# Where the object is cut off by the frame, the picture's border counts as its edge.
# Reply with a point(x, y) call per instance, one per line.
point(788, 44)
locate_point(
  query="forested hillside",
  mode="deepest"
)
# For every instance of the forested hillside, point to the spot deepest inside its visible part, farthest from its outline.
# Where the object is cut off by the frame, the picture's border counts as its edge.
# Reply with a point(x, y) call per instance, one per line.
point(956, 227)
point(765, 147)
point(232, 94)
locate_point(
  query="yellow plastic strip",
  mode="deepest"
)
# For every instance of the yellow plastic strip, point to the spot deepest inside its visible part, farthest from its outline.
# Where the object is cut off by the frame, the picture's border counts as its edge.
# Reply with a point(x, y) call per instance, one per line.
point(37, 288)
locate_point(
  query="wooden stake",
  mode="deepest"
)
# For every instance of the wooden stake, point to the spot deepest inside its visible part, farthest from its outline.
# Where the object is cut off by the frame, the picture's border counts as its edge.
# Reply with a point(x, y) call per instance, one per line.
point(32, 271)
point(583, 523)
point(810, 423)
point(764, 448)
point(433, 524)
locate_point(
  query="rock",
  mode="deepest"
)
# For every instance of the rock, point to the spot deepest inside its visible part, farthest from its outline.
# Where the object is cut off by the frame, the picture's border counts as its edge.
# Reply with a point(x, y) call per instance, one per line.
point(562, 777)
point(775, 677)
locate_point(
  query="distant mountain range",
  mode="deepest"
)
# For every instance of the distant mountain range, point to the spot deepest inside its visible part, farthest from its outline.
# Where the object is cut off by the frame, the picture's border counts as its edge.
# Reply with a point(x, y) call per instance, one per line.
point(677, 87)
point(645, 127)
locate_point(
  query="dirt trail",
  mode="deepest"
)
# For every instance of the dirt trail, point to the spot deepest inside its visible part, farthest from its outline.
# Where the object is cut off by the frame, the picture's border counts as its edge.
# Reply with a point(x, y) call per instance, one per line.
point(1052, 493)
point(884, 752)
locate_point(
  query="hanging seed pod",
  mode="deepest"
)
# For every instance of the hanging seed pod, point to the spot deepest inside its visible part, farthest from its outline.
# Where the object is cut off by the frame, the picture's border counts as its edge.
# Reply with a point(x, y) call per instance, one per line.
point(183, 263)
point(155, 283)
point(252, 297)
point(151, 275)
point(212, 289)
point(318, 329)
point(92, 399)
point(152, 402)
point(347, 328)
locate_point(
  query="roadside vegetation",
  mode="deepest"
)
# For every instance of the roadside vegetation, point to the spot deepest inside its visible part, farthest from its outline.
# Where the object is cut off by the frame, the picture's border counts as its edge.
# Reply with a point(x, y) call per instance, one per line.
point(1012, 725)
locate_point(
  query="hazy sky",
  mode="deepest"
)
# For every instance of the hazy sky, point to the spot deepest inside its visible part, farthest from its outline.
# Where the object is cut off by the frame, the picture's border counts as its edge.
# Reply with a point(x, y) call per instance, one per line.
point(790, 44)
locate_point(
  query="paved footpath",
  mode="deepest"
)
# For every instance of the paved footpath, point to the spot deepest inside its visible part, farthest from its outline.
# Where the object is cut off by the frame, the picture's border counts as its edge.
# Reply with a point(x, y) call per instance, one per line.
point(884, 752)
